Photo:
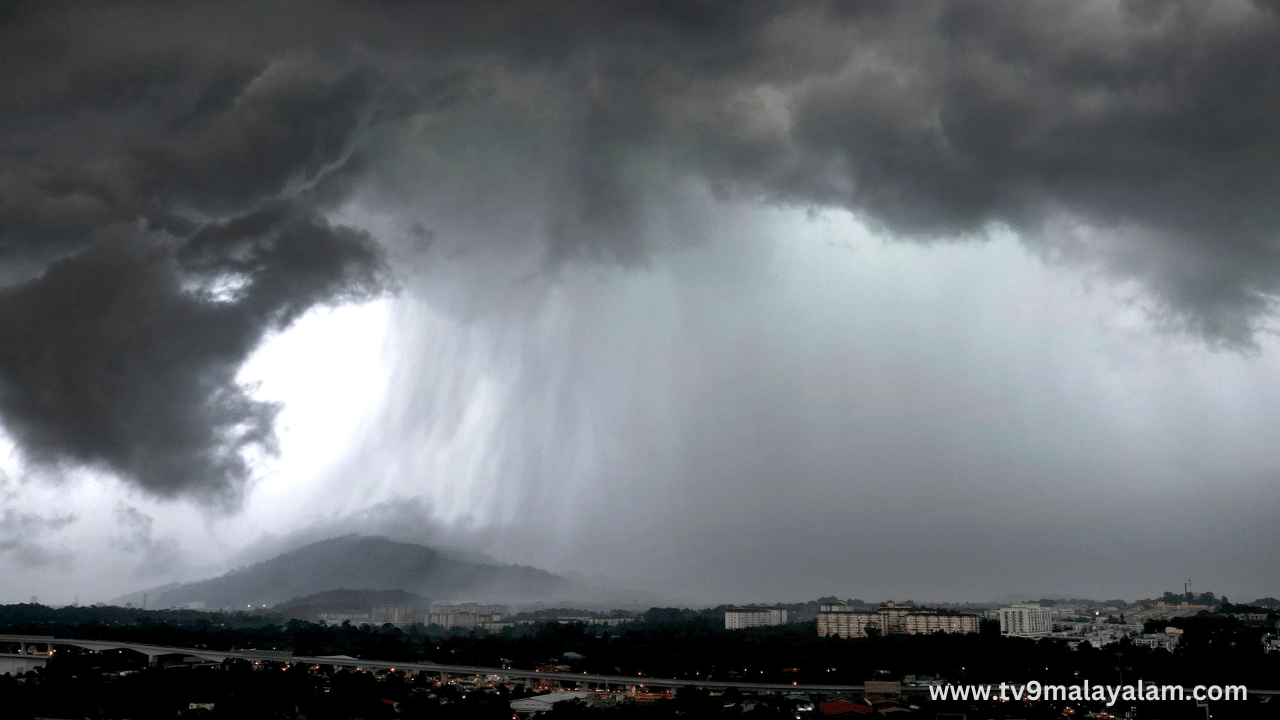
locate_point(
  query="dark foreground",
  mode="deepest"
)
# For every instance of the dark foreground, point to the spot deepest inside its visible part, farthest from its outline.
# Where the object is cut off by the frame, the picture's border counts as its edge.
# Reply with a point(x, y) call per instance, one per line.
point(670, 644)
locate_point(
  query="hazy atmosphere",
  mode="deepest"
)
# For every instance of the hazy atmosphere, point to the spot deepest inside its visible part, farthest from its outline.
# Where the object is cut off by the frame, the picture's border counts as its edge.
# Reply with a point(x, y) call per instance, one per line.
point(744, 302)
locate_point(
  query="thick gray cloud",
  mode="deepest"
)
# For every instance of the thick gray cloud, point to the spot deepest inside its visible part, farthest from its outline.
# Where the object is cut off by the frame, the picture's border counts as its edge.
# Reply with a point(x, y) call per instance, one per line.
point(169, 176)
point(125, 354)
point(21, 542)
point(161, 215)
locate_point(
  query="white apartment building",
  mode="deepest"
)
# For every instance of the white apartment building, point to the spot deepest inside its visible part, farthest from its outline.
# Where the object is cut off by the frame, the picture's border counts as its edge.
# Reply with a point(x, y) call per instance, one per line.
point(841, 620)
point(1025, 619)
point(738, 618)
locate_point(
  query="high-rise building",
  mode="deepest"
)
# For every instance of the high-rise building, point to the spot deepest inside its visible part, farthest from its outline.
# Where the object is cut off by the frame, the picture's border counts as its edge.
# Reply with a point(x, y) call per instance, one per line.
point(452, 619)
point(745, 617)
point(1025, 619)
point(394, 614)
point(845, 621)
point(465, 615)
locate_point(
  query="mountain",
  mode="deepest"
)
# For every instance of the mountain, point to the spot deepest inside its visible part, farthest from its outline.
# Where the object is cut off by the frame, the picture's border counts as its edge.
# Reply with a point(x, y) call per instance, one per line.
point(354, 562)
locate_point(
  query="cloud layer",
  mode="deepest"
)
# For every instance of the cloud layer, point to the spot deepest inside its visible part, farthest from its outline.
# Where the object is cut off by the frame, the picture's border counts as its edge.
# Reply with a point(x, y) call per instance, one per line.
point(171, 180)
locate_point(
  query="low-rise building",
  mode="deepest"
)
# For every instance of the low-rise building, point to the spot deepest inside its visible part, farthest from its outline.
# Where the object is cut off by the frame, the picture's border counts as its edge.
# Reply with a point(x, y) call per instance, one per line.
point(590, 620)
point(754, 616)
point(1158, 641)
point(544, 703)
point(883, 687)
point(1101, 635)
point(1250, 617)
point(339, 618)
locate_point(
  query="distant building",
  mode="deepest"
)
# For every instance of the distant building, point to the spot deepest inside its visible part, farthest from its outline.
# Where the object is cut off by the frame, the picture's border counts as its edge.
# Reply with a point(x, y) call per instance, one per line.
point(745, 617)
point(1248, 617)
point(394, 614)
point(883, 687)
point(465, 620)
point(1025, 619)
point(842, 620)
point(1158, 641)
point(339, 618)
point(590, 620)
point(467, 615)
point(452, 619)
point(468, 607)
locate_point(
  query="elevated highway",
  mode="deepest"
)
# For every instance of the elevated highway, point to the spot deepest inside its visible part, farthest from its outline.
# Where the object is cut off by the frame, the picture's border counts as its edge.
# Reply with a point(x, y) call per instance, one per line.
point(155, 653)
point(46, 646)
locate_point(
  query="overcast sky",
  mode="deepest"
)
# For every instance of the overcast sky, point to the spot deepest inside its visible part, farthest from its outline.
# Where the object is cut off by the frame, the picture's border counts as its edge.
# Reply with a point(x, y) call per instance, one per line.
point(730, 302)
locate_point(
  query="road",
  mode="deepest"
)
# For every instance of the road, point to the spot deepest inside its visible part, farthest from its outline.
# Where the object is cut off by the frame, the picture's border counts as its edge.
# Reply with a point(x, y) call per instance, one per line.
point(154, 652)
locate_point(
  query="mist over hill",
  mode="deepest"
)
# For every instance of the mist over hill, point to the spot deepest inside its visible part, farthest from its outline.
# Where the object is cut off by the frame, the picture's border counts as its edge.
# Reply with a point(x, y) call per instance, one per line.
point(356, 563)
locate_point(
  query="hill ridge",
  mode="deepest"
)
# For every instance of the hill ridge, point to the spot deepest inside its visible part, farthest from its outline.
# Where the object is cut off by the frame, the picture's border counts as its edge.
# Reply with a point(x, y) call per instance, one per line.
point(360, 562)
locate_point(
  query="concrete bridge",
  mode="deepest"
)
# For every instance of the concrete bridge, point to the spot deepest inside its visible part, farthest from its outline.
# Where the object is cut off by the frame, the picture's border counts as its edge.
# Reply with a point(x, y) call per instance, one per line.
point(38, 649)
point(20, 653)
point(47, 646)
point(27, 652)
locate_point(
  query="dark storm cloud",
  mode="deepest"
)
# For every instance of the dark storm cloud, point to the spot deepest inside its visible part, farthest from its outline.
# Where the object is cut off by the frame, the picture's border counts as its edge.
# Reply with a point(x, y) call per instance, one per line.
point(1158, 123)
point(1153, 124)
point(166, 171)
point(1141, 137)
point(160, 212)
point(289, 124)
point(125, 354)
